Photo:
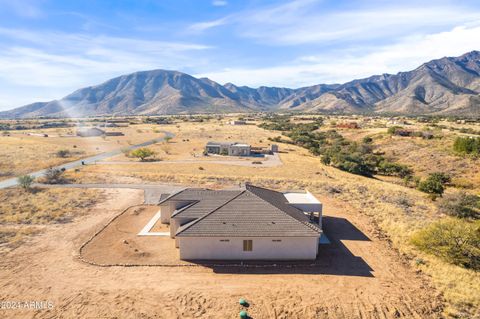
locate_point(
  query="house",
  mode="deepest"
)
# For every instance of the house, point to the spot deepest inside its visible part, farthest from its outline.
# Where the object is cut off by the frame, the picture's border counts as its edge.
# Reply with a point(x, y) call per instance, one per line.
point(250, 223)
point(238, 122)
point(89, 131)
point(226, 148)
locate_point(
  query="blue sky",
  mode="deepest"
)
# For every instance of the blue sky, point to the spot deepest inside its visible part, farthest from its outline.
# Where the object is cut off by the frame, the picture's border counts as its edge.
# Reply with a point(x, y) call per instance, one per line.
point(50, 48)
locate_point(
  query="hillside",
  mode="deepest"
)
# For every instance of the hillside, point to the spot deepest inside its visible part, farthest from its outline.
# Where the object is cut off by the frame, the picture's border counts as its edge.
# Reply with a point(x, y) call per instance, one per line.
point(449, 85)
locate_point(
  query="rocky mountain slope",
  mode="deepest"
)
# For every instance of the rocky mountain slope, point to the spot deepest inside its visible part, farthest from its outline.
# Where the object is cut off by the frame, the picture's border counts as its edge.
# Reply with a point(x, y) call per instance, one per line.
point(449, 85)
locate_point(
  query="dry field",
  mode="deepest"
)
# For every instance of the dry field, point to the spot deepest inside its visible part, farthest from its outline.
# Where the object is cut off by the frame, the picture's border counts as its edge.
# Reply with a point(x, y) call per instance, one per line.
point(361, 277)
point(191, 137)
point(28, 213)
point(388, 214)
point(397, 211)
point(22, 153)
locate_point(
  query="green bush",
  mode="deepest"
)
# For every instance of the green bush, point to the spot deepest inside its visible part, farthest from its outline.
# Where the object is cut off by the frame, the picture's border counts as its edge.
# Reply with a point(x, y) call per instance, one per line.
point(434, 183)
point(335, 150)
point(454, 240)
point(394, 169)
point(25, 181)
point(467, 145)
point(142, 153)
point(393, 129)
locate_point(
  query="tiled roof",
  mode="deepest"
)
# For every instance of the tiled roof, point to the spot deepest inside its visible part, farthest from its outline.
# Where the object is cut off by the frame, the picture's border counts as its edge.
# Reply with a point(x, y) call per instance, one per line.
point(205, 203)
point(253, 212)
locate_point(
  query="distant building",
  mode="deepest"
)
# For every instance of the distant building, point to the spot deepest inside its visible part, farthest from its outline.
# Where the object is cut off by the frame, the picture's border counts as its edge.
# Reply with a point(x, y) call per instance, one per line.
point(238, 122)
point(226, 148)
point(274, 148)
point(89, 131)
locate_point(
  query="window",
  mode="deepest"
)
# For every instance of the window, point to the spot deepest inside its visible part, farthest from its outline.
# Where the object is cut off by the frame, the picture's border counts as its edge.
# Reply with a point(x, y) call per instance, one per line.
point(225, 240)
point(276, 240)
point(247, 245)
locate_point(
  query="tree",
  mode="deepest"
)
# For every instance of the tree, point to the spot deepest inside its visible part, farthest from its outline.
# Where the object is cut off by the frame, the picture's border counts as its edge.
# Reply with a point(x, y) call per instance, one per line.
point(454, 240)
point(25, 181)
point(142, 153)
point(433, 184)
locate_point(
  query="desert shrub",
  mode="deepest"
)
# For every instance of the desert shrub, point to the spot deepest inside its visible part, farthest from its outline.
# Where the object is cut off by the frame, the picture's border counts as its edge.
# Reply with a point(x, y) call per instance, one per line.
point(392, 130)
point(454, 240)
point(54, 176)
point(63, 153)
point(335, 150)
point(441, 177)
point(461, 204)
point(25, 181)
point(434, 184)
point(467, 145)
point(142, 153)
point(367, 140)
point(394, 169)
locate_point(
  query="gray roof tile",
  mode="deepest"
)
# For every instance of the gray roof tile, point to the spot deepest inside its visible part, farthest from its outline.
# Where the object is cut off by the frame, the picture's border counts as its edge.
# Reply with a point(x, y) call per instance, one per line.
point(253, 212)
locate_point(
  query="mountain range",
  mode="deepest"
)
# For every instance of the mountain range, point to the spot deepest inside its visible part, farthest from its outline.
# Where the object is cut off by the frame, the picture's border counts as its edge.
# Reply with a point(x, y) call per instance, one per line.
point(446, 86)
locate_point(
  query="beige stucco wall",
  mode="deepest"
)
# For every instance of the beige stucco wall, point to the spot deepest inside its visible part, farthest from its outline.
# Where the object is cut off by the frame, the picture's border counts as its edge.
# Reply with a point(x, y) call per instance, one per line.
point(290, 248)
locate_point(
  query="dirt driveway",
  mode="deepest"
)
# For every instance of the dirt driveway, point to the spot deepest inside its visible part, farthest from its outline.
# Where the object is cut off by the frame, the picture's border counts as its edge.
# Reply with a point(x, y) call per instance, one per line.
point(360, 277)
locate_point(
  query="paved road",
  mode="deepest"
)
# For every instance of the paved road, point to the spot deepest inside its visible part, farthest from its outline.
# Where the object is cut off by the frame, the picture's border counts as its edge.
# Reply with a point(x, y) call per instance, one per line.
point(88, 160)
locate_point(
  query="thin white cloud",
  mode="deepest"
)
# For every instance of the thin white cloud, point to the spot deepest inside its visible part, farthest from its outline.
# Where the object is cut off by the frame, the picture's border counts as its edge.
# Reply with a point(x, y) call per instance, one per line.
point(203, 26)
point(50, 65)
point(348, 64)
point(308, 22)
point(219, 3)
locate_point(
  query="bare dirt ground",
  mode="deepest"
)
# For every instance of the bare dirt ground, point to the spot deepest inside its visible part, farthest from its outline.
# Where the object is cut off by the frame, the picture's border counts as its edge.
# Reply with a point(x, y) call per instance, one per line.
point(366, 278)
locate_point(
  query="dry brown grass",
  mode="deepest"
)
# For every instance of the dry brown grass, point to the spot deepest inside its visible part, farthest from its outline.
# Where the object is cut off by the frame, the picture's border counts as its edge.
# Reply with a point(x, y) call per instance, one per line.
point(44, 206)
point(396, 211)
point(23, 214)
point(191, 137)
point(21, 153)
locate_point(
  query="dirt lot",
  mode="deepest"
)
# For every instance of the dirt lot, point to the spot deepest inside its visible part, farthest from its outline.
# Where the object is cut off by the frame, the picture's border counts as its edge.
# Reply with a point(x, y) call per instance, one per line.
point(362, 278)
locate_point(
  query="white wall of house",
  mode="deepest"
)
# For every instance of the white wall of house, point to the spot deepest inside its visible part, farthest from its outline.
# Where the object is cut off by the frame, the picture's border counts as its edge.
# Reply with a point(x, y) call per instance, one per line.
point(166, 211)
point(264, 248)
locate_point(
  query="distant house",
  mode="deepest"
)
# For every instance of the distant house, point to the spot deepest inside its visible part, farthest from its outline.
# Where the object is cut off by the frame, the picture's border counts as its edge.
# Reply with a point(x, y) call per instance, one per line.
point(226, 148)
point(251, 223)
point(238, 122)
point(89, 131)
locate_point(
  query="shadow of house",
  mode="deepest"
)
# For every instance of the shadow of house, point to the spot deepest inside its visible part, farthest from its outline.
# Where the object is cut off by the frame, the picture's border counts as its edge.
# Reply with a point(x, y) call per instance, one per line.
point(333, 259)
